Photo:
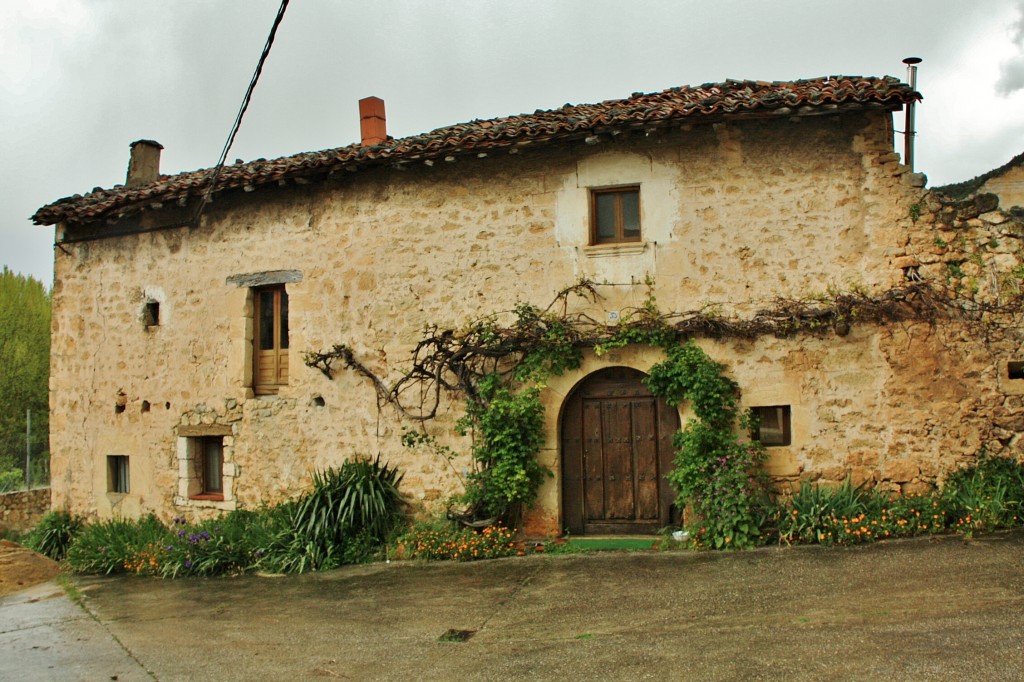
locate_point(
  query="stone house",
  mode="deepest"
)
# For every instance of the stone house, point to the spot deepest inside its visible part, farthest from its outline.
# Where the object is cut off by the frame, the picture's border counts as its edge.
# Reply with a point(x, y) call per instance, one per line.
point(178, 384)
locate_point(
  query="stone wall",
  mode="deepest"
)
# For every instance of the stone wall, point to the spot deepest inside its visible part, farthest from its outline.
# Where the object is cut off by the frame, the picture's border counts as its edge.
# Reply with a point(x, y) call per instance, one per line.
point(1008, 186)
point(21, 510)
point(734, 216)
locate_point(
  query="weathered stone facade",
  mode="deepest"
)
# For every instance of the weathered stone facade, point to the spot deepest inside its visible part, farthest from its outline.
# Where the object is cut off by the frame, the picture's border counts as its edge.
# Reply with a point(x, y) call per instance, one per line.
point(1008, 186)
point(736, 214)
point(21, 510)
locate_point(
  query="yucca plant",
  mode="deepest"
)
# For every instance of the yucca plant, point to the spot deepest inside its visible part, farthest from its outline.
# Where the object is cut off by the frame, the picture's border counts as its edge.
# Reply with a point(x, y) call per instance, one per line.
point(53, 534)
point(358, 503)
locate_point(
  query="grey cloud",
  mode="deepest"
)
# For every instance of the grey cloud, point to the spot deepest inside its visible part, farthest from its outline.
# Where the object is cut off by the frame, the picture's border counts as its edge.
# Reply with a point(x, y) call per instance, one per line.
point(1011, 76)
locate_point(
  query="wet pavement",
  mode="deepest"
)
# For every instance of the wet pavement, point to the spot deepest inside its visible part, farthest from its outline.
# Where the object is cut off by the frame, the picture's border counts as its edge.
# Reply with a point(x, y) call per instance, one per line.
point(927, 609)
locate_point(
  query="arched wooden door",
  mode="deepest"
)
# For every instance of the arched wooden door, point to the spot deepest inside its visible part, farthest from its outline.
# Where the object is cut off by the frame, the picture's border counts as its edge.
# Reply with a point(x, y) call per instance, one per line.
point(616, 449)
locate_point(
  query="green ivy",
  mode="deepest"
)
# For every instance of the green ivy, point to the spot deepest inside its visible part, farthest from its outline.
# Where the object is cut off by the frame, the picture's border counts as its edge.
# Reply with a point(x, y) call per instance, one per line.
point(715, 473)
point(508, 430)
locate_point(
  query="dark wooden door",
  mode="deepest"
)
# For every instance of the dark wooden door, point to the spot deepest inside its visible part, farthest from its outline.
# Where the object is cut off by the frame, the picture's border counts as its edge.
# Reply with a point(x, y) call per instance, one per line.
point(616, 449)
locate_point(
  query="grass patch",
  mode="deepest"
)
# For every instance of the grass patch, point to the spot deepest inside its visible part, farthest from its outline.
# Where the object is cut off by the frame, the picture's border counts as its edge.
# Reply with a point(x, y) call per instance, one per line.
point(580, 545)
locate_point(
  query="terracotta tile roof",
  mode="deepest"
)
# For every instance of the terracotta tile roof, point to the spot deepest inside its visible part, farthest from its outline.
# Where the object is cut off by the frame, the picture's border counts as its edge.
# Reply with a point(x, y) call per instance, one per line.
point(708, 102)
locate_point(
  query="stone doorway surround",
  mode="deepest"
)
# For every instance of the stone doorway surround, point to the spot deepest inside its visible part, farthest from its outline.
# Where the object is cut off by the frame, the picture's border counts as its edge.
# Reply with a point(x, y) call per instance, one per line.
point(616, 447)
point(546, 517)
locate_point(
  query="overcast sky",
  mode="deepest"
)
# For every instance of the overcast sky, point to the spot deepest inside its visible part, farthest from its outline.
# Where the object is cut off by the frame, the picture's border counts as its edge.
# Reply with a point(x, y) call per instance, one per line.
point(81, 79)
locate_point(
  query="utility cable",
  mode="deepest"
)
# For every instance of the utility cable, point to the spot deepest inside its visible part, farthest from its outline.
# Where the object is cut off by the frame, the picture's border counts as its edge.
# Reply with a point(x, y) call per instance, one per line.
point(208, 194)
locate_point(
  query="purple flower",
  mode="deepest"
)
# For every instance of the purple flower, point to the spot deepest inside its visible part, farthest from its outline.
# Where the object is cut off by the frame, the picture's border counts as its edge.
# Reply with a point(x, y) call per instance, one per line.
point(188, 563)
point(170, 548)
point(181, 533)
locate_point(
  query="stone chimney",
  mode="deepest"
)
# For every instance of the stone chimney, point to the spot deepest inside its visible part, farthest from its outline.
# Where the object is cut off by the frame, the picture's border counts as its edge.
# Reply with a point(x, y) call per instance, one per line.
point(372, 123)
point(144, 164)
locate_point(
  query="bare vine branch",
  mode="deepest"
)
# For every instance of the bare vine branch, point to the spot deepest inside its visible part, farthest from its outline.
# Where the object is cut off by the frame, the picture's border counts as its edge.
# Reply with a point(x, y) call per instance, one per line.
point(529, 342)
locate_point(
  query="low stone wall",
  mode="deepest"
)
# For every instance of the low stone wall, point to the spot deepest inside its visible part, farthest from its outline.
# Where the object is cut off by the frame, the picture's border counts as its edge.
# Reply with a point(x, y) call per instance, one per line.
point(22, 509)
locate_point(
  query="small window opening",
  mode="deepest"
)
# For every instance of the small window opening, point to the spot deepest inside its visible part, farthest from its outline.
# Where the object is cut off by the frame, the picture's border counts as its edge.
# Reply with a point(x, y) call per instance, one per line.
point(119, 408)
point(318, 401)
point(208, 467)
point(145, 406)
point(771, 425)
point(167, 406)
point(1015, 369)
point(117, 474)
point(151, 314)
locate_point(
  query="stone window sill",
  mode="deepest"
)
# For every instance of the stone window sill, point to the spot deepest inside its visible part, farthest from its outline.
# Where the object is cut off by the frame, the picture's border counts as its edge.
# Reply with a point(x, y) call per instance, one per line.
point(214, 497)
point(613, 250)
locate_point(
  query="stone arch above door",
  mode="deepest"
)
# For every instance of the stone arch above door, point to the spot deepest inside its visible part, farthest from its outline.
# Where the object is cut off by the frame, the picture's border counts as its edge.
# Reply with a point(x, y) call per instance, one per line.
point(615, 442)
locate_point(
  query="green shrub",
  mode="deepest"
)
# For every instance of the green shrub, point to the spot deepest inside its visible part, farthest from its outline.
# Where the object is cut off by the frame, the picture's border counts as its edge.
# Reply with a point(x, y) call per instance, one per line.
point(508, 432)
point(847, 514)
point(715, 472)
point(119, 545)
point(987, 495)
point(12, 479)
point(446, 541)
point(345, 518)
point(53, 534)
point(230, 544)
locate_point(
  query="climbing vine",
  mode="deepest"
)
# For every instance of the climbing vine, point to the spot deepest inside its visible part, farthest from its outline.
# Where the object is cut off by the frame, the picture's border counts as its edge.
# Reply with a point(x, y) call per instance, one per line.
point(715, 472)
point(497, 362)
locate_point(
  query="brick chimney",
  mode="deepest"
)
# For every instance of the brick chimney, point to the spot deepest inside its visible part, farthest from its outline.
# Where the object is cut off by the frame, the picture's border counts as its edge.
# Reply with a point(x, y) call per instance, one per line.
point(372, 122)
point(144, 164)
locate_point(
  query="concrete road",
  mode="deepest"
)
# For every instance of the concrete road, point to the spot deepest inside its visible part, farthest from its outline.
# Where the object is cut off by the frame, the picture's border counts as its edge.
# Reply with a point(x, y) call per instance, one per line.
point(927, 609)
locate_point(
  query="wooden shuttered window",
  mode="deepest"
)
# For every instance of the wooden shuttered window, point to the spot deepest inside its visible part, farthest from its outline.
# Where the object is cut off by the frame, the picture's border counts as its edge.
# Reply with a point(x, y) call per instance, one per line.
point(270, 339)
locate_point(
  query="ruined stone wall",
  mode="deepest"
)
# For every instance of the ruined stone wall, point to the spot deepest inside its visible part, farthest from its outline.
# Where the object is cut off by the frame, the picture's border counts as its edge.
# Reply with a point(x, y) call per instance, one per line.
point(733, 215)
point(21, 510)
point(1009, 187)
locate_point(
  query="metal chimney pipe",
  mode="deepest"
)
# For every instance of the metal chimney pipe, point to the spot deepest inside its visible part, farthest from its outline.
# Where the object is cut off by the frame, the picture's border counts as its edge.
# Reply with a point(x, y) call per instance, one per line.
point(908, 129)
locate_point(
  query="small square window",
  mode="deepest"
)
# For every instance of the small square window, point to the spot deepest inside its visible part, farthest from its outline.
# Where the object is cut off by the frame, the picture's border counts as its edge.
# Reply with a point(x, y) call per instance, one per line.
point(151, 314)
point(615, 215)
point(117, 474)
point(208, 466)
point(771, 425)
point(1015, 370)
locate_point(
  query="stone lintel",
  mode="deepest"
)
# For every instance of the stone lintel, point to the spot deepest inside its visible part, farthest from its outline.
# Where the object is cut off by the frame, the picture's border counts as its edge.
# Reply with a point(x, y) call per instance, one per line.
point(189, 431)
point(262, 279)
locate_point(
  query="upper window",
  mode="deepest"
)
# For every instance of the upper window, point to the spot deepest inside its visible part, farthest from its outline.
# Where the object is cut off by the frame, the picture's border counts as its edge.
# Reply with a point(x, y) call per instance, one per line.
point(615, 215)
point(270, 339)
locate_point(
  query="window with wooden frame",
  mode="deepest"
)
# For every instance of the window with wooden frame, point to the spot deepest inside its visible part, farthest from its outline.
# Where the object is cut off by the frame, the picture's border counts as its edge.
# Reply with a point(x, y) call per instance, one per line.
point(270, 339)
point(117, 474)
point(615, 215)
point(771, 425)
point(208, 467)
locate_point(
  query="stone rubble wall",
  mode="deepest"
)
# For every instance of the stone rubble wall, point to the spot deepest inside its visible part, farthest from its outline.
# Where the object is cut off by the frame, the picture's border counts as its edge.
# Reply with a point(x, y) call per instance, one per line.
point(21, 510)
point(1009, 187)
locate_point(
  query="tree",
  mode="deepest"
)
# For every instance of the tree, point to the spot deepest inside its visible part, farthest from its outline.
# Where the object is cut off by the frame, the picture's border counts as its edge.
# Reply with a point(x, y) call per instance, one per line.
point(24, 368)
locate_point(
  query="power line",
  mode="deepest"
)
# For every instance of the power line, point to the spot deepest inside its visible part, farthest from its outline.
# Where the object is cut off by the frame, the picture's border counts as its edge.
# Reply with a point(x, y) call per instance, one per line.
point(241, 112)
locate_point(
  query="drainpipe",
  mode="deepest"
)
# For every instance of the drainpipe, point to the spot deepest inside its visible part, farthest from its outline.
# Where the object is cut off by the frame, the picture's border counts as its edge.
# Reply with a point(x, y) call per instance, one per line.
point(908, 130)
